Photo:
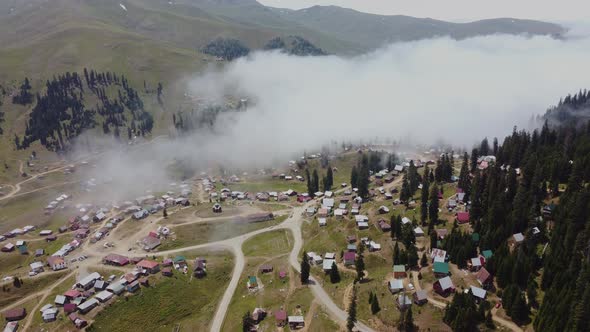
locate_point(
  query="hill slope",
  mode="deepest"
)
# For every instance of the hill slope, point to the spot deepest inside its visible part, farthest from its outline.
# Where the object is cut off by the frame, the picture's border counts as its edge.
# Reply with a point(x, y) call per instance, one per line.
point(370, 31)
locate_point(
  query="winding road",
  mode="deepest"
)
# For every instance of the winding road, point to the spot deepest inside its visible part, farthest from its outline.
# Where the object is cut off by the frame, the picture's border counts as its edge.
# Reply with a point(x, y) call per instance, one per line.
point(293, 224)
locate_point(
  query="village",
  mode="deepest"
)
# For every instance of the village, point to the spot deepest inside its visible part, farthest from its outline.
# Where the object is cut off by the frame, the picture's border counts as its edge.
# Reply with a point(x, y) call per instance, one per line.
point(202, 229)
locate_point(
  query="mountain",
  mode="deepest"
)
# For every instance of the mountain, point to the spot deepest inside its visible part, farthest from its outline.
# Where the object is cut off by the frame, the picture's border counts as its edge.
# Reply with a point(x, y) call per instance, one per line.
point(160, 39)
point(370, 30)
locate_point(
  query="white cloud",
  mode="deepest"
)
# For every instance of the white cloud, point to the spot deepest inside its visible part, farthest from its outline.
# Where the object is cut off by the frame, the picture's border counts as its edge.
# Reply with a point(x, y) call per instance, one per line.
point(458, 91)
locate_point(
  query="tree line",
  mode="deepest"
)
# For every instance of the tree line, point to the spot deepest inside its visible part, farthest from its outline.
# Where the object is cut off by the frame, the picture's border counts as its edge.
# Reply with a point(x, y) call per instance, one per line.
point(61, 113)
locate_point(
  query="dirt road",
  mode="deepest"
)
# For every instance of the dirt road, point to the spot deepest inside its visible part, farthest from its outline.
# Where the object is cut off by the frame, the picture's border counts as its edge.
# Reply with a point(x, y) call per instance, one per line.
point(17, 187)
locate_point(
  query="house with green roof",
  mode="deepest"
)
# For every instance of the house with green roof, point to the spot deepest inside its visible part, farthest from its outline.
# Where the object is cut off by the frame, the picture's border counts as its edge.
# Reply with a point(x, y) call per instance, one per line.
point(252, 282)
point(487, 254)
point(441, 269)
point(475, 237)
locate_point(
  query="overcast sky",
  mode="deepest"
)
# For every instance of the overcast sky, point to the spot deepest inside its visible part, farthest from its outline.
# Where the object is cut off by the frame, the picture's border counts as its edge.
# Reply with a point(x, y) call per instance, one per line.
point(457, 10)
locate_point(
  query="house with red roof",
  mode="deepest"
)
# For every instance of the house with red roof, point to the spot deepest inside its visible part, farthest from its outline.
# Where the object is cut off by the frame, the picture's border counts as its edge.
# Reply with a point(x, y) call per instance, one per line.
point(151, 266)
point(484, 277)
point(281, 317)
point(72, 294)
point(114, 259)
point(349, 258)
point(462, 217)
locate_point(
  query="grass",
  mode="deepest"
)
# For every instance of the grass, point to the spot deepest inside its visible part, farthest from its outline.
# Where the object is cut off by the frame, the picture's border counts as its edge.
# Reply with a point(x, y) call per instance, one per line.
point(268, 184)
point(271, 207)
point(272, 296)
point(199, 233)
point(322, 322)
point(268, 244)
point(29, 286)
point(178, 300)
point(61, 322)
point(15, 263)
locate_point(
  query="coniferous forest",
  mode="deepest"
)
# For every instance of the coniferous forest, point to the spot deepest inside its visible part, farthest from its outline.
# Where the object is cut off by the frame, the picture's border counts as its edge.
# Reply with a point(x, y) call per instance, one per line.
point(60, 111)
point(538, 186)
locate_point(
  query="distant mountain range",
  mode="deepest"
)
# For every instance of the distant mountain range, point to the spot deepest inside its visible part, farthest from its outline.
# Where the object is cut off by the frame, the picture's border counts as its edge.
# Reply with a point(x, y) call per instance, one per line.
point(162, 36)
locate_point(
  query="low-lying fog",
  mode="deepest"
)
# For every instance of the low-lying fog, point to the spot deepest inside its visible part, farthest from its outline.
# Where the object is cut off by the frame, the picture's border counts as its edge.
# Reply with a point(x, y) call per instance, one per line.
point(425, 91)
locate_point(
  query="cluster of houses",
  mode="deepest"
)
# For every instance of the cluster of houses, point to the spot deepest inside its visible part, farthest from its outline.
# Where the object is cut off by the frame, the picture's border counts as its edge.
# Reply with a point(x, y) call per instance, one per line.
point(178, 263)
point(92, 290)
point(57, 202)
point(17, 231)
point(226, 193)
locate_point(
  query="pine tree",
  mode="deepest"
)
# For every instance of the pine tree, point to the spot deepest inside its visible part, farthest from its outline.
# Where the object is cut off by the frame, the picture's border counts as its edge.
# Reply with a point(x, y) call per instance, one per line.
point(354, 177)
point(396, 254)
point(247, 322)
point(405, 194)
point(375, 308)
point(412, 253)
point(305, 269)
point(334, 274)
point(309, 183)
point(409, 321)
point(316, 181)
point(363, 180)
point(433, 206)
point(484, 148)
point(413, 178)
point(330, 178)
point(424, 260)
point(424, 202)
point(464, 178)
point(489, 321)
point(519, 310)
point(351, 320)
point(360, 267)
point(398, 226)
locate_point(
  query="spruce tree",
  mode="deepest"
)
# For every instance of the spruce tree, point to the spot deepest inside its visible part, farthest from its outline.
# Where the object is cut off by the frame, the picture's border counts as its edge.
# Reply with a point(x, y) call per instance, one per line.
point(360, 267)
point(398, 226)
point(363, 181)
point(396, 254)
point(424, 260)
point(305, 269)
point(392, 225)
point(489, 320)
point(309, 183)
point(413, 178)
point(375, 308)
point(433, 206)
point(412, 254)
point(464, 177)
point(330, 178)
point(409, 321)
point(351, 319)
point(334, 274)
point(315, 181)
point(424, 202)
point(247, 322)
point(433, 239)
point(354, 177)
point(405, 193)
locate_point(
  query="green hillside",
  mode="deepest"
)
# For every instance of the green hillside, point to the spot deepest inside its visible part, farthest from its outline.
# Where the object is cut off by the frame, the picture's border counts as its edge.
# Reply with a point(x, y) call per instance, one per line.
point(161, 41)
